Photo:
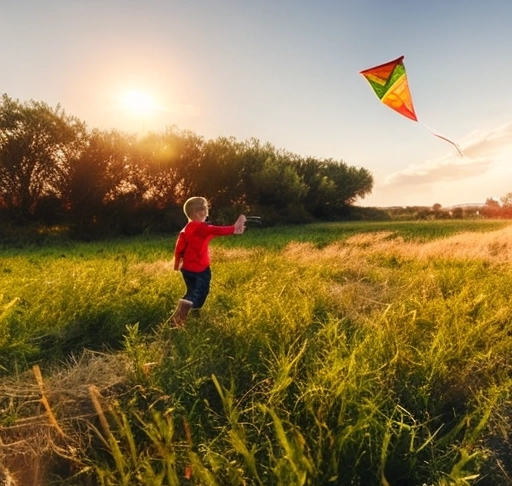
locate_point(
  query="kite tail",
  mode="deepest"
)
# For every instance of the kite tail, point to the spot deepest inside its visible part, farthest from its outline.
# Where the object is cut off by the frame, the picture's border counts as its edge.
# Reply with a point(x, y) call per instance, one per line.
point(444, 138)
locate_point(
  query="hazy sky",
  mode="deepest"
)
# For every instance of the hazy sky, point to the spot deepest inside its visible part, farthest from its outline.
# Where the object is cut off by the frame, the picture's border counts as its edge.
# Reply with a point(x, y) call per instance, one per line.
point(286, 72)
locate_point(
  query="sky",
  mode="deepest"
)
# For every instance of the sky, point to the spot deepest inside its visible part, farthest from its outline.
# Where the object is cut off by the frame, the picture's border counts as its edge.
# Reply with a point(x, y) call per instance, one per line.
point(285, 72)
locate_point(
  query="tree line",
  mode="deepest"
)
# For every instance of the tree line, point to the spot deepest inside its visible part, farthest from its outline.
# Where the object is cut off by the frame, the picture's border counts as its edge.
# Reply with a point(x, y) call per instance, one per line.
point(55, 170)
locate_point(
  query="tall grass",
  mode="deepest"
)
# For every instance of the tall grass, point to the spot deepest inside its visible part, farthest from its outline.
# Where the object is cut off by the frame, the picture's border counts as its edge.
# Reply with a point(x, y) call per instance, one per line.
point(55, 300)
point(371, 357)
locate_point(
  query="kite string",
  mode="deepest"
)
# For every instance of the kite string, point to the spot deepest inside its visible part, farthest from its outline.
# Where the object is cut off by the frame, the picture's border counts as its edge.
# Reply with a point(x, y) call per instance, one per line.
point(433, 132)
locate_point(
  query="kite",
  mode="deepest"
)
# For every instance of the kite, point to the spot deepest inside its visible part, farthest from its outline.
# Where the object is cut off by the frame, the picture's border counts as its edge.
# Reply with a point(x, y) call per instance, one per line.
point(389, 81)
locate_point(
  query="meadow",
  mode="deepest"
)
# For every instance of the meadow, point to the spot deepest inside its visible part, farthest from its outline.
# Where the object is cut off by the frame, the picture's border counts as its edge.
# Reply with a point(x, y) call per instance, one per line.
point(326, 354)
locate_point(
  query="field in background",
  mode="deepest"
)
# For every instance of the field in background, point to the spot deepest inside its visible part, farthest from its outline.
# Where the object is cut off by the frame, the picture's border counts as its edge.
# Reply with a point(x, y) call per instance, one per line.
point(348, 353)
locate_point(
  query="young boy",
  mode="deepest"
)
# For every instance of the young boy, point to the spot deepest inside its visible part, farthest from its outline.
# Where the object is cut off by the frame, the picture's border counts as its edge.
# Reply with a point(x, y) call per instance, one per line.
point(191, 255)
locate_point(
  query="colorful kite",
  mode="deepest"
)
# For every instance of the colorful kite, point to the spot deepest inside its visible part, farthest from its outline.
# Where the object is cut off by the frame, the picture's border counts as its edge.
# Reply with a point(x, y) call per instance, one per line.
point(389, 81)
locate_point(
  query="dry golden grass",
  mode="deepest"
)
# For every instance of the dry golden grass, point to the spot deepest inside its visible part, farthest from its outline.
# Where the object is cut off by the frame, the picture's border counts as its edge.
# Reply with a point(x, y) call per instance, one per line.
point(357, 285)
point(218, 254)
point(492, 247)
point(153, 268)
point(67, 394)
point(226, 254)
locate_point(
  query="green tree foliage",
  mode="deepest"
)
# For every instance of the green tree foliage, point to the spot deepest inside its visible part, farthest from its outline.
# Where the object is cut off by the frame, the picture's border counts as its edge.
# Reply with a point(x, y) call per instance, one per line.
point(217, 172)
point(332, 186)
point(277, 186)
point(108, 179)
point(37, 145)
point(173, 162)
point(95, 177)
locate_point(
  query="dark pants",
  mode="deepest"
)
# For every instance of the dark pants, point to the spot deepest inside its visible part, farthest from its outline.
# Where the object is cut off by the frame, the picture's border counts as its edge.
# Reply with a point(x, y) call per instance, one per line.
point(198, 286)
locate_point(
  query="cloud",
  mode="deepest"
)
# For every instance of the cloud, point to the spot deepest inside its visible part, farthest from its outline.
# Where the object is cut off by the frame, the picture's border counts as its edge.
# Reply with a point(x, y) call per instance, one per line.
point(442, 169)
point(484, 171)
point(488, 144)
point(482, 150)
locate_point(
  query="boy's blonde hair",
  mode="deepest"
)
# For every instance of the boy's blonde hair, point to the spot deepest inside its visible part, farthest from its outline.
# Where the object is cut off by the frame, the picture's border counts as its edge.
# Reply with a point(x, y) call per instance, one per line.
point(194, 204)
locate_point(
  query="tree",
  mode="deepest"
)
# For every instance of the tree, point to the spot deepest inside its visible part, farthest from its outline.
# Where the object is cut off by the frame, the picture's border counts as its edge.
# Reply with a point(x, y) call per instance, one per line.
point(161, 157)
point(180, 153)
point(219, 175)
point(278, 186)
point(50, 164)
point(332, 185)
point(37, 145)
point(94, 176)
point(506, 200)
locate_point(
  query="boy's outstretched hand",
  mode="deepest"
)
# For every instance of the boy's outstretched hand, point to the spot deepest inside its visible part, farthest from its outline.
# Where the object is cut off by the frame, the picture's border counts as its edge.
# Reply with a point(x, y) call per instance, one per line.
point(240, 224)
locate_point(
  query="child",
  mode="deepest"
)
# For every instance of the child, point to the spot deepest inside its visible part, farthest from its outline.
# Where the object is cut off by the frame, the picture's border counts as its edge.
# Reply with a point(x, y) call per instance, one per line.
point(191, 255)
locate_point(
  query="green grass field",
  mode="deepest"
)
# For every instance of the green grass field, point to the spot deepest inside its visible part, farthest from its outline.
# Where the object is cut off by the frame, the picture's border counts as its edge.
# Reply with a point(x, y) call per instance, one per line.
point(327, 354)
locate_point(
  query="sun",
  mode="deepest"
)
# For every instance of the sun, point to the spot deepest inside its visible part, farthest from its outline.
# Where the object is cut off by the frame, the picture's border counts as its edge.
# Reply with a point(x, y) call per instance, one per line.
point(139, 103)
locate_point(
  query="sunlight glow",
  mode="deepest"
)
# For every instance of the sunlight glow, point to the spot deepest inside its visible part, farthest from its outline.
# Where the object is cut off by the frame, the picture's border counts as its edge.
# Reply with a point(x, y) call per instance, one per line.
point(138, 103)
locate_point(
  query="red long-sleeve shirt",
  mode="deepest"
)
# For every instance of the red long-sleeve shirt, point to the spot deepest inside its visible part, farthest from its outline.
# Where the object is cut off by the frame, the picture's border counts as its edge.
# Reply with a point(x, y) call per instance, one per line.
point(192, 245)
